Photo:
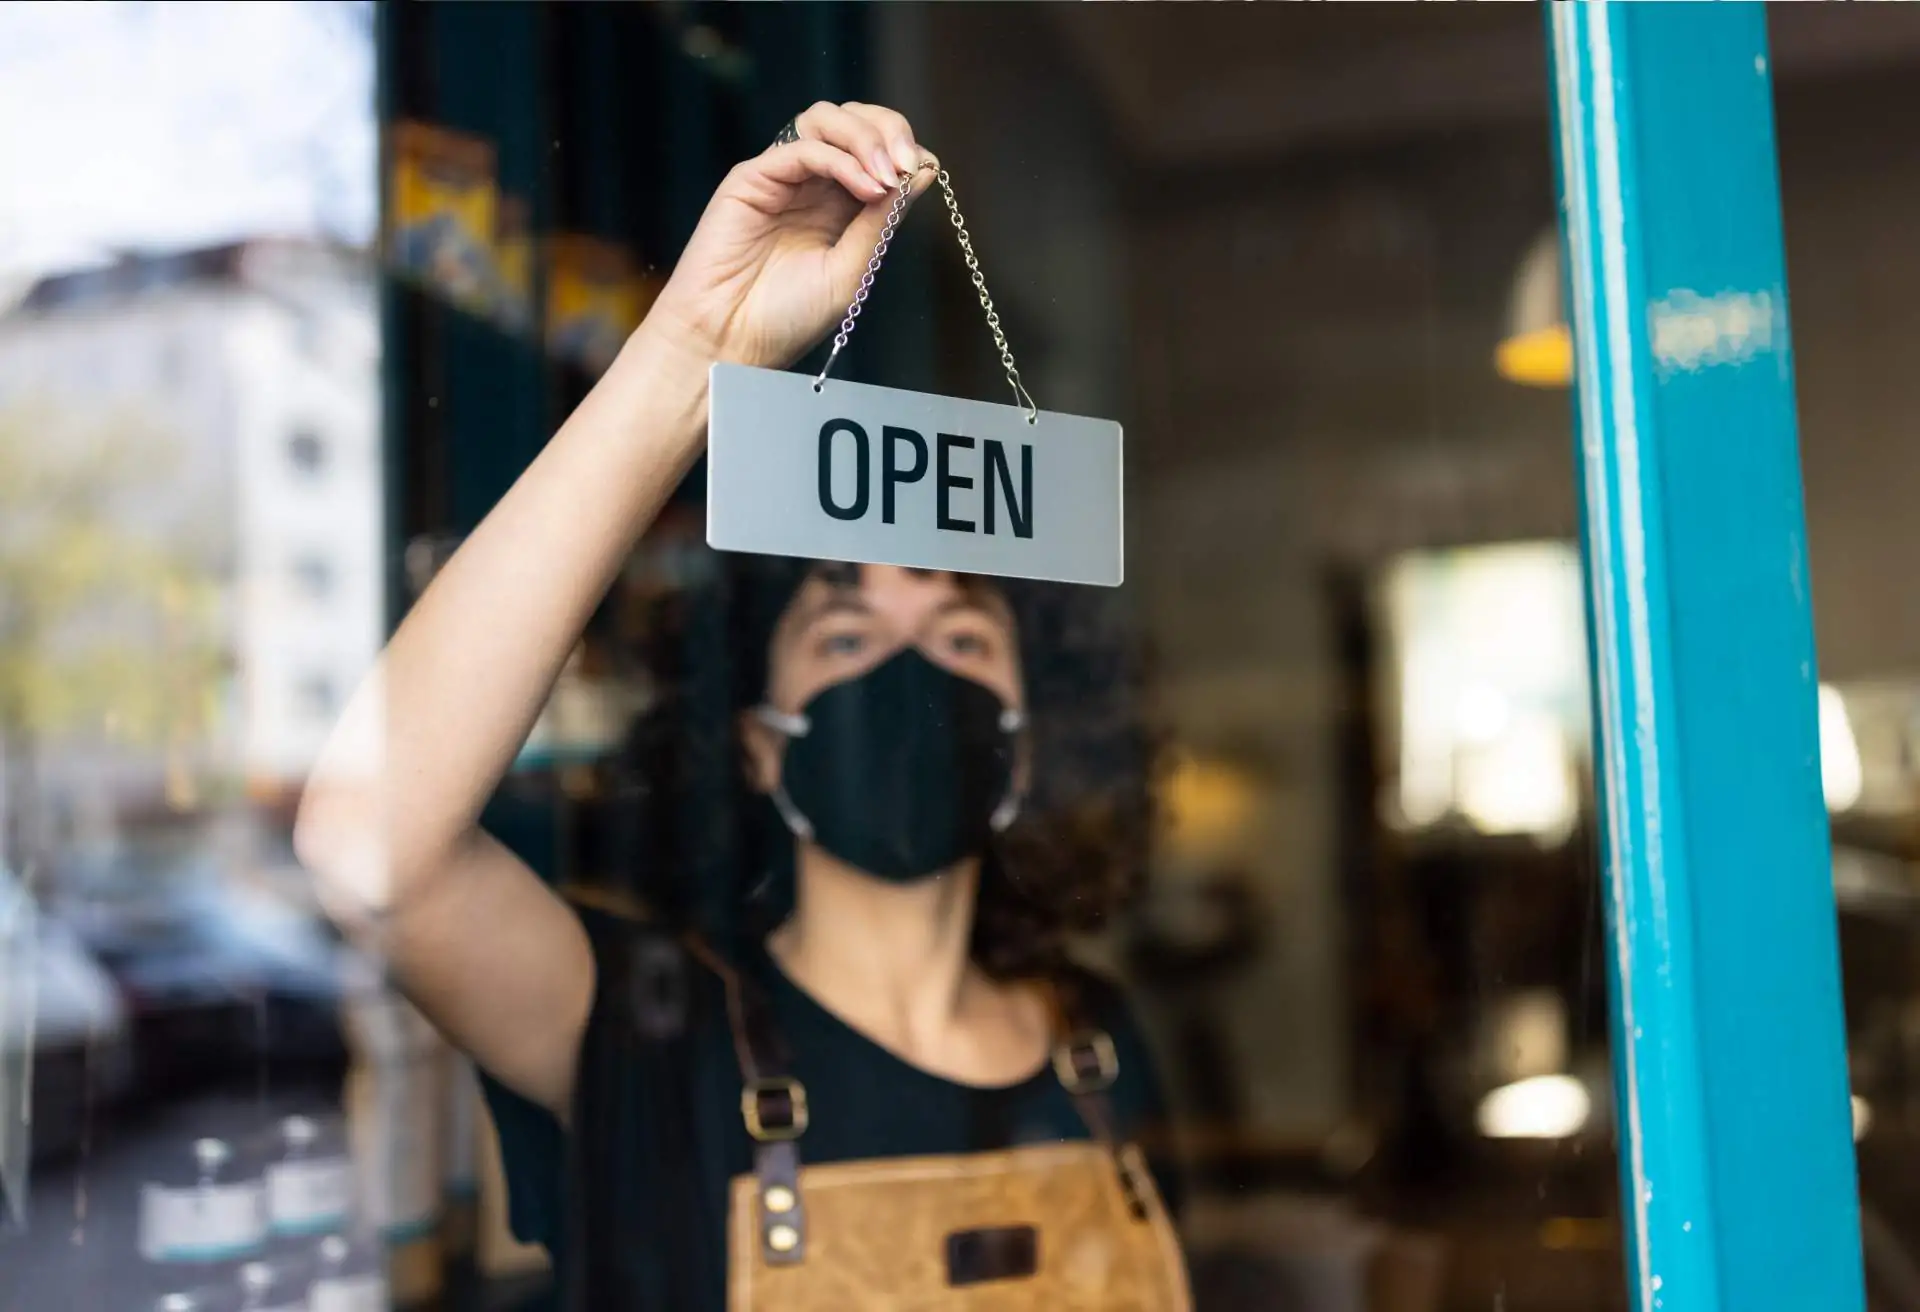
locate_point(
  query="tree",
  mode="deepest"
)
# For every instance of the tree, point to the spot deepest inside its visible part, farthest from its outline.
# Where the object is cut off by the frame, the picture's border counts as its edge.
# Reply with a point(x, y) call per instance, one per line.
point(110, 616)
point(109, 612)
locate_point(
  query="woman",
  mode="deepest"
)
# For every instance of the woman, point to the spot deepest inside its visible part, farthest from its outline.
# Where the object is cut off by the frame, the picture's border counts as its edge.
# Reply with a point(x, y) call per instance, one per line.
point(890, 735)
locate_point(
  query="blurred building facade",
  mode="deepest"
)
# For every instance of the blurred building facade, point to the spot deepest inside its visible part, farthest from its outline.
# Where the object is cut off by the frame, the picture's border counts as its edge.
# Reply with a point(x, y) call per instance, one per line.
point(247, 376)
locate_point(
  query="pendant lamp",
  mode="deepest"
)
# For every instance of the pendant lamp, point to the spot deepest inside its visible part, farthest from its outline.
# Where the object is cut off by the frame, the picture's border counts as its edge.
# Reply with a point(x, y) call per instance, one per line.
point(1538, 348)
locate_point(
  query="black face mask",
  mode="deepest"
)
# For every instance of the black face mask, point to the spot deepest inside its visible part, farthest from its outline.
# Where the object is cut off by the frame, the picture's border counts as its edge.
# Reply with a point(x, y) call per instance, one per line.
point(901, 771)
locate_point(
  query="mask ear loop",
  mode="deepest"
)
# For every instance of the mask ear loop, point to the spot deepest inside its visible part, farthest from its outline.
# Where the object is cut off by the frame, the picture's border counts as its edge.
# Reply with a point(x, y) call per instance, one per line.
point(1012, 721)
point(788, 725)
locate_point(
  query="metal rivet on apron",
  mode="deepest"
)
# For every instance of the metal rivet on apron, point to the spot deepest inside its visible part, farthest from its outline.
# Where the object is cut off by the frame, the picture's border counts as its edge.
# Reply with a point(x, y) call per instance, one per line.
point(779, 1199)
point(783, 1239)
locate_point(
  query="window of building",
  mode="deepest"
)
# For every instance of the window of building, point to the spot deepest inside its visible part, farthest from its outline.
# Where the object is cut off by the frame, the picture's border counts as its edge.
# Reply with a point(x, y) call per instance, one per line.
point(313, 575)
point(307, 451)
point(318, 697)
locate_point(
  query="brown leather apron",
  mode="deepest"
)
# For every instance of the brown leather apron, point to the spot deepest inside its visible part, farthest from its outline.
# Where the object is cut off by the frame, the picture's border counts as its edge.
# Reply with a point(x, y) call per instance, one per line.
point(1059, 1227)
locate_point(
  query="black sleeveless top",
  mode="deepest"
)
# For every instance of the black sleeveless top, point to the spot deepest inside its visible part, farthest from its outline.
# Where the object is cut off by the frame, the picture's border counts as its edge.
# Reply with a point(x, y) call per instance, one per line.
point(634, 1201)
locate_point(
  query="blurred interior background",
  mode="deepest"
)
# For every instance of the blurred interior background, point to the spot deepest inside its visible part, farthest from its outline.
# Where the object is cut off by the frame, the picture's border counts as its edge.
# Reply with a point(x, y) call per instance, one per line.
point(290, 293)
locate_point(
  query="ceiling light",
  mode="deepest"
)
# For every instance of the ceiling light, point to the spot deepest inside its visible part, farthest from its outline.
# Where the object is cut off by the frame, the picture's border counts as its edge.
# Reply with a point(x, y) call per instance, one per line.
point(1543, 1107)
point(1840, 772)
point(1538, 348)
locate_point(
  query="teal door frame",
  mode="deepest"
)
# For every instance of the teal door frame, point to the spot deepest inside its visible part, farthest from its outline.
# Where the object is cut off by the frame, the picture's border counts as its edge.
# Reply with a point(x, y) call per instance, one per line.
point(1736, 1153)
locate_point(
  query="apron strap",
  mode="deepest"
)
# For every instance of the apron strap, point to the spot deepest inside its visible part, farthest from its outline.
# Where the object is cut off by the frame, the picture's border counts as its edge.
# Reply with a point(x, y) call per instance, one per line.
point(633, 1048)
point(1087, 1064)
point(773, 1104)
point(773, 1107)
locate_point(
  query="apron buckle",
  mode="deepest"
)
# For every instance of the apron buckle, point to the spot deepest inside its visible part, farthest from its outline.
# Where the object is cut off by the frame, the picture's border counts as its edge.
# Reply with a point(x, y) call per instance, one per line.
point(1087, 1062)
point(775, 1109)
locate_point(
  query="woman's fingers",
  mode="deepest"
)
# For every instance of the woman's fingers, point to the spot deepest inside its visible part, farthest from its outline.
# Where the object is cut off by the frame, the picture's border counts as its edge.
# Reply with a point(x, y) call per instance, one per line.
point(868, 128)
point(799, 161)
point(902, 146)
point(867, 149)
point(856, 134)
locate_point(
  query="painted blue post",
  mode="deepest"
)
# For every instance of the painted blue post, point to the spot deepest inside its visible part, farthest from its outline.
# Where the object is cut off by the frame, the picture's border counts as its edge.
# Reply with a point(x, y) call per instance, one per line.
point(1729, 1044)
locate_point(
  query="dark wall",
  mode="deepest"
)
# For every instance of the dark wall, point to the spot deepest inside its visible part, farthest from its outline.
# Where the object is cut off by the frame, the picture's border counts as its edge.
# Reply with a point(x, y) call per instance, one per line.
point(1850, 183)
point(1301, 346)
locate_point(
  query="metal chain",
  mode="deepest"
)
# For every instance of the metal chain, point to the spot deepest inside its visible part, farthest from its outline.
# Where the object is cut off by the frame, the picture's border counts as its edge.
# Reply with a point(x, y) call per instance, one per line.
point(898, 208)
point(986, 302)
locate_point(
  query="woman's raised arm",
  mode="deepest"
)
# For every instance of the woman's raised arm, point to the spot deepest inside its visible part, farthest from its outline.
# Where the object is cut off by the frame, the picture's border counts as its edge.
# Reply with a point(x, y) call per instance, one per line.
point(390, 820)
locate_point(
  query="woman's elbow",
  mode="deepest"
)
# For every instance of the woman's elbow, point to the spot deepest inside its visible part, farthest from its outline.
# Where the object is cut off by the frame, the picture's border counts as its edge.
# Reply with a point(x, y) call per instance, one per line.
point(341, 837)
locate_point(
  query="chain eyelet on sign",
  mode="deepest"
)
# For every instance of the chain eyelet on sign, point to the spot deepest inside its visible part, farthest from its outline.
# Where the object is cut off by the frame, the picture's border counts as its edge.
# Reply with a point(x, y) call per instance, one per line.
point(979, 280)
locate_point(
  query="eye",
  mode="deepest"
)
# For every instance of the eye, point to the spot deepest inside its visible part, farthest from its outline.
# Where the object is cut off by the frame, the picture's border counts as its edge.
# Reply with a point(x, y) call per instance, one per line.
point(842, 644)
point(970, 638)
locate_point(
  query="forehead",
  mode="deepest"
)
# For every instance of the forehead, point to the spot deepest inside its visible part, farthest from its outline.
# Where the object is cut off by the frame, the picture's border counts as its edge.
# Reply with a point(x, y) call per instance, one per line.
point(892, 587)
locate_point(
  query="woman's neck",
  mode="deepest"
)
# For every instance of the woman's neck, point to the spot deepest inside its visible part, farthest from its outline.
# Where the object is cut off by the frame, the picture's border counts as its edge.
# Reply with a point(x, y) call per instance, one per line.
point(891, 959)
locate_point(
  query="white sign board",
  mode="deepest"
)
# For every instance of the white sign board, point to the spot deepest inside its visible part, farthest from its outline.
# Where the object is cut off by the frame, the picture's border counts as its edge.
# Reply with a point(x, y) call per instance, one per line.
point(845, 471)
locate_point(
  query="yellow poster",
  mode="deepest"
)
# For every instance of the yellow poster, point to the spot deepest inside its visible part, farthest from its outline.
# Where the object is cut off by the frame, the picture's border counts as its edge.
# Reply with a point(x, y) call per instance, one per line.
point(596, 296)
point(513, 265)
point(444, 211)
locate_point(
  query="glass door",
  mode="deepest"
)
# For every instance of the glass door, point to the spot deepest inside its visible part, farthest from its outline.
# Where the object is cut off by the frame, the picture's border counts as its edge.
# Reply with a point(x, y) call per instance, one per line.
point(1438, 814)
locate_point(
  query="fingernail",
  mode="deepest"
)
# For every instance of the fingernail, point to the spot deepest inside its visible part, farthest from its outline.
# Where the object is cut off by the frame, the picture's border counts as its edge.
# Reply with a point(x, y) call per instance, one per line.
point(905, 157)
point(882, 168)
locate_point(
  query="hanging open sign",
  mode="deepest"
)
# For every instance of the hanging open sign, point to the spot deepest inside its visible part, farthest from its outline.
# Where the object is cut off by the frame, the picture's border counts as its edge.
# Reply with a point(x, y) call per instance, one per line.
point(809, 467)
point(891, 477)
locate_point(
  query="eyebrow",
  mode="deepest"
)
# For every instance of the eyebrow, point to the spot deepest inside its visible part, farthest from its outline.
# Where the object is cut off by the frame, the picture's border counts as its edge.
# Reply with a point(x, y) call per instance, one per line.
point(966, 601)
point(844, 600)
point(986, 606)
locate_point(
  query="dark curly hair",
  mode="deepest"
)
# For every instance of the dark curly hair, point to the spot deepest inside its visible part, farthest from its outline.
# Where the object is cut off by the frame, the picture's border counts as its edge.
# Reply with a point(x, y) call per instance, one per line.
point(1074, 857)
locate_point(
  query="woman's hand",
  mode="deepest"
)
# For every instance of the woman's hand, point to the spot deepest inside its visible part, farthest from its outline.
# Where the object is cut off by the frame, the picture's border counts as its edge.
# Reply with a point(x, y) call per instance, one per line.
point(782, 246)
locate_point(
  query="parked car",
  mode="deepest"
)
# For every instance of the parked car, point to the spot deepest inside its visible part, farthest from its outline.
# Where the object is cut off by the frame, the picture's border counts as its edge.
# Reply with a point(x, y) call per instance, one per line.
point(219, 974)
point(65, 1042)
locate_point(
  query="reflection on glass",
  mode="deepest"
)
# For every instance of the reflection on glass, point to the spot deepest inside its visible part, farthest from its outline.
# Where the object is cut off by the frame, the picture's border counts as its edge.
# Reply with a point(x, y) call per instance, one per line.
point(191, 572)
